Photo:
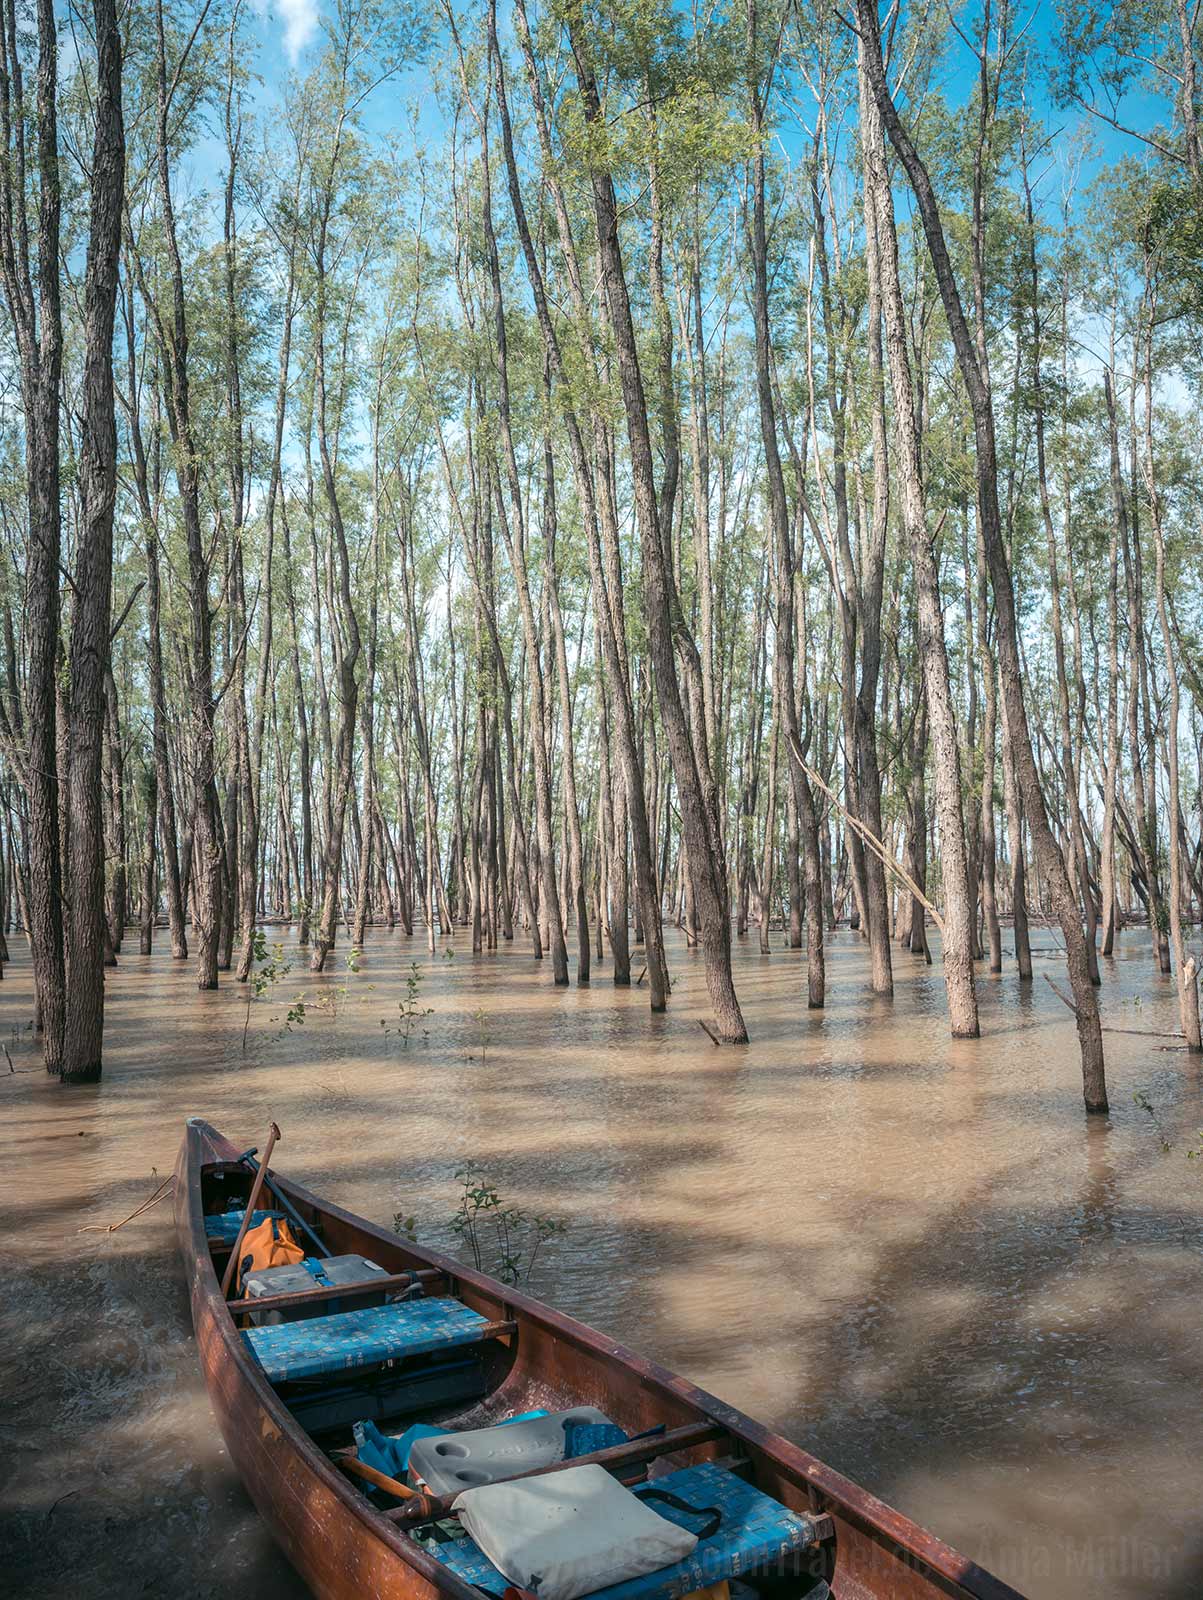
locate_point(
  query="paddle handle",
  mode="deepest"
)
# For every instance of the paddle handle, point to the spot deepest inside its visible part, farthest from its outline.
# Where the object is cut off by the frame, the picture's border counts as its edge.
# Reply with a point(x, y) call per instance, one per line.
point(232, 1264)
point(360, 1469)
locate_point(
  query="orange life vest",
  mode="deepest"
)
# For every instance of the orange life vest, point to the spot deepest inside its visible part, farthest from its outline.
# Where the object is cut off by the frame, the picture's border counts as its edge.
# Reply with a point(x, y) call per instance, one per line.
point(270, 1244)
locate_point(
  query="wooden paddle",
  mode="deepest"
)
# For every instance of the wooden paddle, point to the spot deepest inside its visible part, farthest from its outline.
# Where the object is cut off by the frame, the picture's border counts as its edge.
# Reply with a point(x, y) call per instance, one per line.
point(360, 1469)
point(231, 1265)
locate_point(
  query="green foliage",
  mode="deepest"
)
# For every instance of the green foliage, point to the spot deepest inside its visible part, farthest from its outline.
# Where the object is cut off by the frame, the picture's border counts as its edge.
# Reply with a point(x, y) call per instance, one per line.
point(1175, 232)
point(268, 968)
point(670, 103)
point(405, 1226)
point(409, 1012)
point(332, 1000)
point(502, 1240)
point(294, 1017)
point(1141, 1099)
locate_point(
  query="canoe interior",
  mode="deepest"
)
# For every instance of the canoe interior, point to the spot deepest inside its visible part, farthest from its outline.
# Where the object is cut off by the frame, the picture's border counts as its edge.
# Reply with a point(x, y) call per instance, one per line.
point(461, 1385)
point(550, 1362)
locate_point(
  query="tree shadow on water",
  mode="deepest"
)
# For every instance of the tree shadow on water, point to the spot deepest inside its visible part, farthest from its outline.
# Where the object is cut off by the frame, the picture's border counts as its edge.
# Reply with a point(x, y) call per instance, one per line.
point(972, 1377)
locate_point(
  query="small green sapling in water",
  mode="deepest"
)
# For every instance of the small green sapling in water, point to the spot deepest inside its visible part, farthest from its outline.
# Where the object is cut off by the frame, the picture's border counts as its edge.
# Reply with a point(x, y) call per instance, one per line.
point(501, 1239)
point(267, 969)
point(333, 1000)
point(409, 1012)
point(481, 1018)
point(1141, 1099)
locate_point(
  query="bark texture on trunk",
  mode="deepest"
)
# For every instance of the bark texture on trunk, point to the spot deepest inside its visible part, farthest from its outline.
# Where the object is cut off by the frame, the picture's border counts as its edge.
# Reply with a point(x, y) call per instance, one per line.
point(36, 319)
point(959, 936)
point(662, 608)
point(1051, 860)
point(84, 1035)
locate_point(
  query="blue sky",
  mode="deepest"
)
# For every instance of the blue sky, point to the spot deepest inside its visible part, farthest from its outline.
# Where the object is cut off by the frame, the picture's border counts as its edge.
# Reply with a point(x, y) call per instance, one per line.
point(287, 27)
point(290, 35)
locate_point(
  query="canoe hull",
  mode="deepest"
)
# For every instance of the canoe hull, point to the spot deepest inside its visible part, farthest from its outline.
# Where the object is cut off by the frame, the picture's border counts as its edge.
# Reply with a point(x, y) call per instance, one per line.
point(343, 1548)
point(327, 1530)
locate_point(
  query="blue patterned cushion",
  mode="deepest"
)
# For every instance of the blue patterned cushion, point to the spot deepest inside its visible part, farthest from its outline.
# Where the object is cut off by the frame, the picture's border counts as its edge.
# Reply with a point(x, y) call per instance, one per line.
point(583, 1438)
point(755, 1533)
point(361, 1338)
point(226, 1225)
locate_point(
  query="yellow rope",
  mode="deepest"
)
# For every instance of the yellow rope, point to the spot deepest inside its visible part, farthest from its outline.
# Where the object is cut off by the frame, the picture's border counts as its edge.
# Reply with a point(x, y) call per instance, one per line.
point(160, 1193)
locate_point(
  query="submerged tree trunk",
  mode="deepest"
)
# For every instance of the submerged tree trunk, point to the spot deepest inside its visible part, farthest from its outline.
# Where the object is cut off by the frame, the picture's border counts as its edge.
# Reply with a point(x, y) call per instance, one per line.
point(38, 331)
point(1185, 966)
point(594, 487)
point(513, 528)
point(345, 636)
point(699, 826)
point(959, 935)
point(90, 677)
point(172, 327)
point(784, 685)
point(1051, 860)
point(1119, 533)
point(149, 878)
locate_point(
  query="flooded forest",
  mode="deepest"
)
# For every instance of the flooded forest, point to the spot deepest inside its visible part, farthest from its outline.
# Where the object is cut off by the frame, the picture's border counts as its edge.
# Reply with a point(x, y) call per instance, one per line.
point(563, 541)
point(572, 475)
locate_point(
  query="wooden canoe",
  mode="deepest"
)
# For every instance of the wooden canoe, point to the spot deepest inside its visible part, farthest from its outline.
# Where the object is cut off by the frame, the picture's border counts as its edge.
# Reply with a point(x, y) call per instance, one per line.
point(343, 1546)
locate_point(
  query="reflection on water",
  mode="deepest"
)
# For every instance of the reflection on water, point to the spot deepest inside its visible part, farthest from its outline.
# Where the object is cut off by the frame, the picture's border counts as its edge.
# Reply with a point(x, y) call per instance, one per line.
point(911, 1255)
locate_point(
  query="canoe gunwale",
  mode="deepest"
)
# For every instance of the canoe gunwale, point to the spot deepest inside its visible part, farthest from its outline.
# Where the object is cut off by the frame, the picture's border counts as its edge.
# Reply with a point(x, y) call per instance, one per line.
point(913, 1563)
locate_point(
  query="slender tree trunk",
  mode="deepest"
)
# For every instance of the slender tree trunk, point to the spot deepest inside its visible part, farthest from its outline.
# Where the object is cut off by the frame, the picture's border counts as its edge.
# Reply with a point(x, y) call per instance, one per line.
point(146, 915)
point(1110, 894)
point(206, 866)
point(39, 337)
point(959, 937)
point(595, 490)
point(989, 770)
point(1185, 966)
point(699, 824)
point(785, 690)
point(513, 527)
point(1051, 860)
point(1081, 867)
point(90, 676)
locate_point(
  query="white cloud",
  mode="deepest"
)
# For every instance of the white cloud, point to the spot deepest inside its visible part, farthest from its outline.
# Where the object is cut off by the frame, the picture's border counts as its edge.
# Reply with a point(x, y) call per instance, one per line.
point(300, 24)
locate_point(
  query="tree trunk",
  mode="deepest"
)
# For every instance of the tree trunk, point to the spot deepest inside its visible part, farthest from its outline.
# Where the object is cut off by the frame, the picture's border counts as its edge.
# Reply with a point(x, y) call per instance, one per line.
point(699, 824)
point(1051, 860)
point(90, 677)
point(958, 933)
point(39, 339)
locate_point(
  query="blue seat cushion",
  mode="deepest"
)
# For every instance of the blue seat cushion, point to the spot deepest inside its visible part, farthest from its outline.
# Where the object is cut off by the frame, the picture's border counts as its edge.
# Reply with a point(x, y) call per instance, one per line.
point(225, 1226)
point(583, 1438)
point(362, 1338)
point(756, 1533)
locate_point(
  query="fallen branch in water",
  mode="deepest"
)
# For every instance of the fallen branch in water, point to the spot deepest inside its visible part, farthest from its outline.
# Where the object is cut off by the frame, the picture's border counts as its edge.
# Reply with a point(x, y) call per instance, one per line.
point(1145, 1033)
point(709, 1032)
point(1060, 993)
point(891, 863)
point(1141, 1033)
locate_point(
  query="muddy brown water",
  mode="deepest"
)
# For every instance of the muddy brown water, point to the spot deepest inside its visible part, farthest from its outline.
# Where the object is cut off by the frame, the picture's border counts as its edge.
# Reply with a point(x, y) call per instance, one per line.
point(911, 1255)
